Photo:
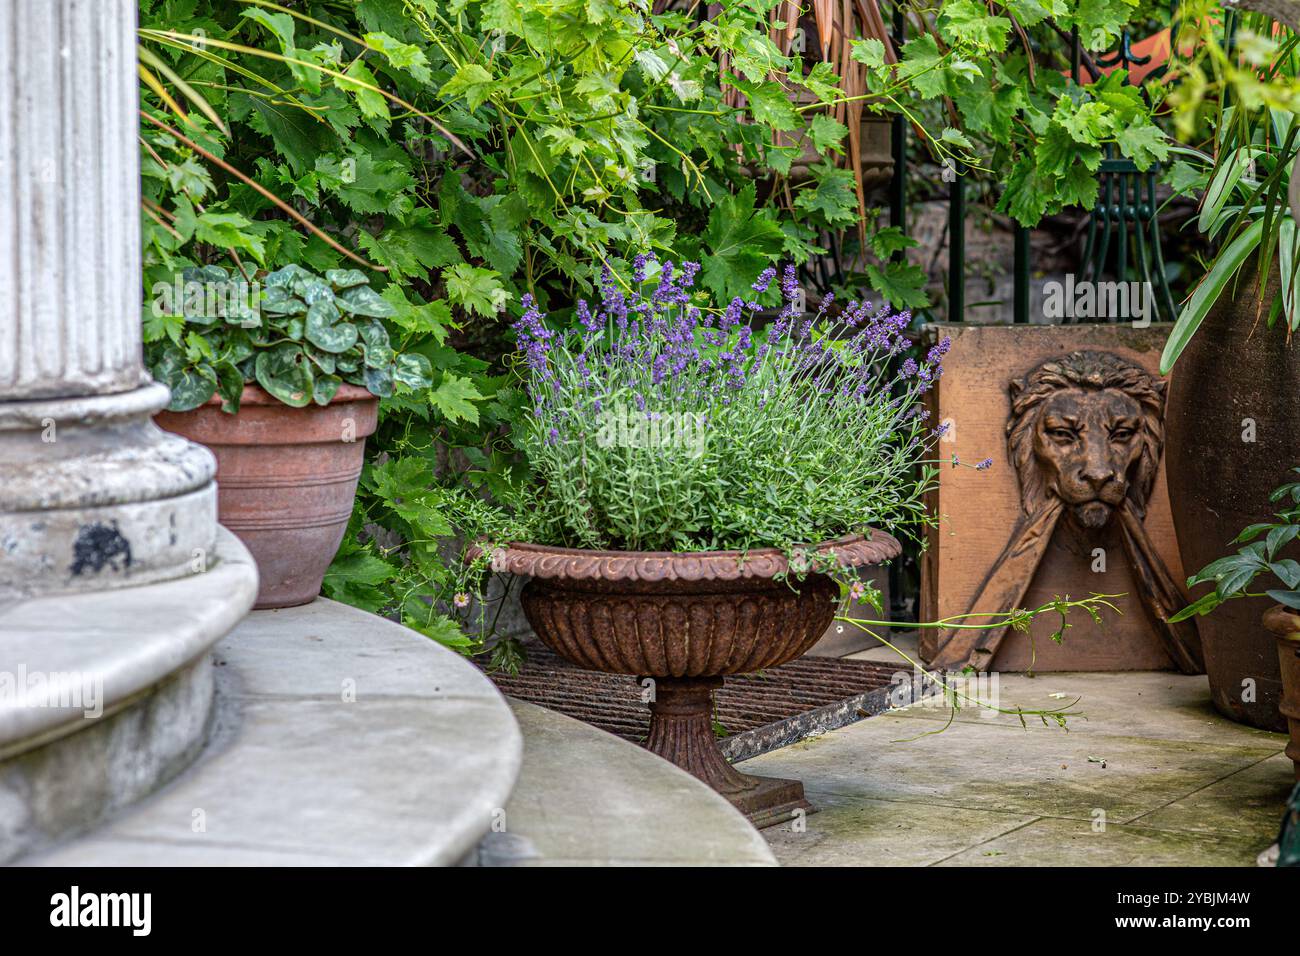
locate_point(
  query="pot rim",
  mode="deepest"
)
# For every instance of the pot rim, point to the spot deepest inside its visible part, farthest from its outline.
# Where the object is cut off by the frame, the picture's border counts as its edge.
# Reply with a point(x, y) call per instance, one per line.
point(256, 395)
point(1283, 622)
point(576, 564)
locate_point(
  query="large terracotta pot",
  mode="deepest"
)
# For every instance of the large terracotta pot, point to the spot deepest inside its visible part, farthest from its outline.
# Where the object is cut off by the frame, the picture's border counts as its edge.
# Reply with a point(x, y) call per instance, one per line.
point(1285, 626)
point(685, 620)
point(1234, 369)
point(286, 478)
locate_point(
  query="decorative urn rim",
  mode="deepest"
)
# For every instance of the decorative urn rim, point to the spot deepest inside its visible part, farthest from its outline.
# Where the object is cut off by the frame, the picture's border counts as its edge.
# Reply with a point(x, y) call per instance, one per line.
point(1283, 622)
point(580, 564)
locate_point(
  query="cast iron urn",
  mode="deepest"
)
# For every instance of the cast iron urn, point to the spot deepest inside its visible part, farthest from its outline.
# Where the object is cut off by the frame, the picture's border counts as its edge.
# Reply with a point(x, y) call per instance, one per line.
point(685, 620)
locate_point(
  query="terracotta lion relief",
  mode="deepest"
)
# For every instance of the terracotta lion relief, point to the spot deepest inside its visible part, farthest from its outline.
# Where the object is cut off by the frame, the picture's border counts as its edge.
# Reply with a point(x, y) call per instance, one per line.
point(1085, 436)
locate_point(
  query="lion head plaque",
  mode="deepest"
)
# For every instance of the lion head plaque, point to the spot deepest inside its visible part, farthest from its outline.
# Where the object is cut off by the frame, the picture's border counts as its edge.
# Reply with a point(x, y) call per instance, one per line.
point(1085, 436)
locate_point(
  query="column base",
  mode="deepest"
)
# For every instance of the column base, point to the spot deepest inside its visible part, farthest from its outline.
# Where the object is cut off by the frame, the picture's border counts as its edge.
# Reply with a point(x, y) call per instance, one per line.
point(96, 496)
point(108, 695)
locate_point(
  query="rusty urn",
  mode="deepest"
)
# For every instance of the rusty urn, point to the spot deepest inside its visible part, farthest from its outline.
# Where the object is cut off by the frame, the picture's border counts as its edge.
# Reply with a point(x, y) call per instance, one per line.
point(685, 621)
point(1284, 624)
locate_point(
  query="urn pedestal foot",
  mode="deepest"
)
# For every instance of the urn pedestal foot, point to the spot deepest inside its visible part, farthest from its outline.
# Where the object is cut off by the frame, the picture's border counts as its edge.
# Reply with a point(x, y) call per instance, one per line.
point(681, 731)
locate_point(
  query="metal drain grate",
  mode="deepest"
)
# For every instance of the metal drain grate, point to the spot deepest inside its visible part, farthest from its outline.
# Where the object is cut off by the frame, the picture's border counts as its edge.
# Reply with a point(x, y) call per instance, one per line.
point(759, 712)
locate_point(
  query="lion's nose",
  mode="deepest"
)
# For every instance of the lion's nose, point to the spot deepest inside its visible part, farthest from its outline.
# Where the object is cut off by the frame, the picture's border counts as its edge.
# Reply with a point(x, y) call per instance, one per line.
point(1097, 474)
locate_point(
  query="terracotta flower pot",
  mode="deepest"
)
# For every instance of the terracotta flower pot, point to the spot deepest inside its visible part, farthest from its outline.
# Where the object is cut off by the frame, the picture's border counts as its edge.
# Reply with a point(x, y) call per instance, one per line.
point(286, 478)
point(1285, 626)
point(685, 620)
point(1235, 376)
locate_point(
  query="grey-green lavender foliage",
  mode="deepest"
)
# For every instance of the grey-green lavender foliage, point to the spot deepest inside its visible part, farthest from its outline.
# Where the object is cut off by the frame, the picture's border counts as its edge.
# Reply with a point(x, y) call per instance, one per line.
point(659, 423)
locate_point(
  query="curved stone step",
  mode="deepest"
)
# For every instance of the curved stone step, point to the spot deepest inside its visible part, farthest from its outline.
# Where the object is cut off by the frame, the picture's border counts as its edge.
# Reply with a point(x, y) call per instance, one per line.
point(588, 798)
point(106, 695)
point(340, 738)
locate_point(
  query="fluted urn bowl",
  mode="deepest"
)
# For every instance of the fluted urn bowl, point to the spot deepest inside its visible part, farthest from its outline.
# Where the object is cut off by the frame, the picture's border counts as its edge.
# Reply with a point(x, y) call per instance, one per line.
point(685, 620)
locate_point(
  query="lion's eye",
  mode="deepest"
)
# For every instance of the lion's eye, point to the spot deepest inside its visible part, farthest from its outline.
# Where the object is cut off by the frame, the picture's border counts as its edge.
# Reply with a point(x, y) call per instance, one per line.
point(1060, 434)
point(1121, 434)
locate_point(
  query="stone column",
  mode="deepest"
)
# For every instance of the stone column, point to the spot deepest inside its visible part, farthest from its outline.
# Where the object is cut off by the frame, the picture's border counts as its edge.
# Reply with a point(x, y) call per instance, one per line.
point(92, 494)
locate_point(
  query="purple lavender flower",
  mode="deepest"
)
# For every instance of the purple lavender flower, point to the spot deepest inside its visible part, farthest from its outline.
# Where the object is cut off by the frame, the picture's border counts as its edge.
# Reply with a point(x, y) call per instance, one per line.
point(789, 284)
point(665, 291)
point(732, 316)
point(937, 352)
point(663, 352)
point(639, 264)
point(985, 465)
point(589, 322)
point(533, 335)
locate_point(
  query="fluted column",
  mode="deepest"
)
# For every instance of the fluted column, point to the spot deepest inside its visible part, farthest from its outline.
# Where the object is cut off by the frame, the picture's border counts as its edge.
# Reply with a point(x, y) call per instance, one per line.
point(92, 494)
point(69, 283)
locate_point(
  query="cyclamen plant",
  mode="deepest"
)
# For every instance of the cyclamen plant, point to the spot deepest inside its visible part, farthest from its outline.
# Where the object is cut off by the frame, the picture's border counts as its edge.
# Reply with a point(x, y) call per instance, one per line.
point(661, 424)
point(298, 335)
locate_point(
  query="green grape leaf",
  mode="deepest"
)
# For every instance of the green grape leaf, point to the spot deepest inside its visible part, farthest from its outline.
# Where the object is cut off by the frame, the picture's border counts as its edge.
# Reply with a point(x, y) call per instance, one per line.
point(832, 197)
point(361, 83)
point(826, 134)
point(921, 65)
point(738, 244)
point(454, 398)
point(471, 82)
point(476, 290)
point(403, 56)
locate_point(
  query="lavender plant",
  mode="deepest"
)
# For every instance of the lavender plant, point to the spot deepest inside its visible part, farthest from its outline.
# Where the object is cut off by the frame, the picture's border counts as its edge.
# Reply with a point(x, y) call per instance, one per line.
point(658, 422)
point(661, 423)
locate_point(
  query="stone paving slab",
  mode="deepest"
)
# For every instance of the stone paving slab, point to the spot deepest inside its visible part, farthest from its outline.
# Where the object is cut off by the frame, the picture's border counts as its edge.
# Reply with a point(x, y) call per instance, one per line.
point(100, 851)
point(1041, 771)
point(1147, 704)
point(1244, 804)
point(854, 831)
point(323, 649)
point(1197, 788)
point(657, 862)
point(1049, 842)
